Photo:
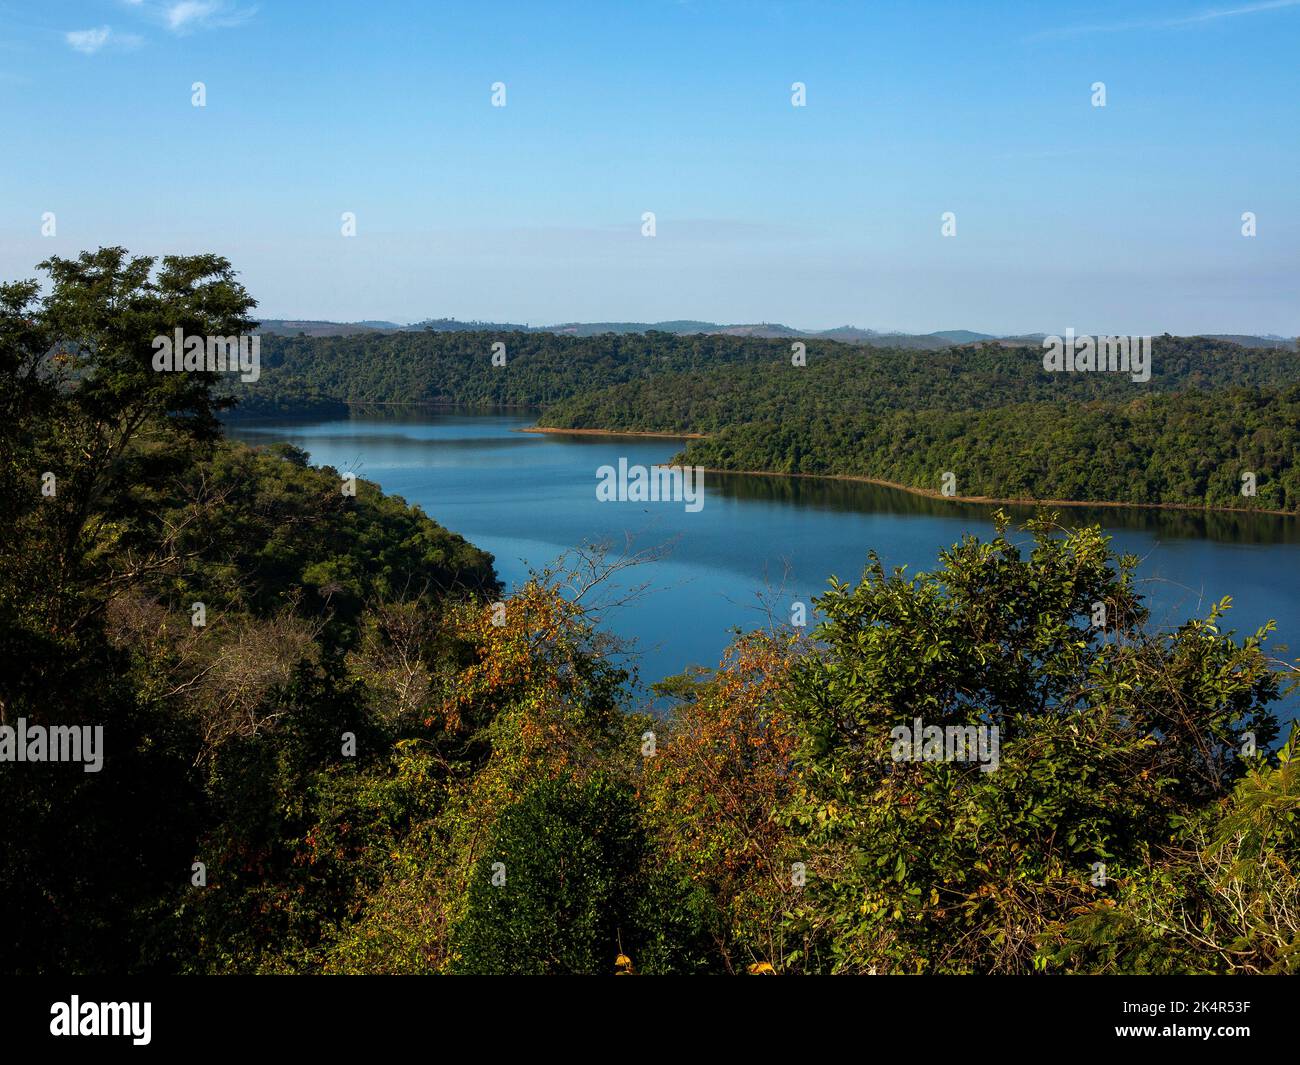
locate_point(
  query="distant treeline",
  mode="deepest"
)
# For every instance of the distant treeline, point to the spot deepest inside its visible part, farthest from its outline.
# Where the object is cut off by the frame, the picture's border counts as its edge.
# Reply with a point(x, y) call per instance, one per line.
point(853, 381)
point(994, 418)
point(1163, 449)
point(457, 368)
point(991, 415)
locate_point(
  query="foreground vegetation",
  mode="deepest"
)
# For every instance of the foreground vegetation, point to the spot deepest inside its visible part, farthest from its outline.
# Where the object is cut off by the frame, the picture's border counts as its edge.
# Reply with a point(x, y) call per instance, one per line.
point(385, 766)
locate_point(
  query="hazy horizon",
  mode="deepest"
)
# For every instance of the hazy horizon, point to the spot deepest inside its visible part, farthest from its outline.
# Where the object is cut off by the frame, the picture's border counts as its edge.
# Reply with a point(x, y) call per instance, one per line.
point(614, 320)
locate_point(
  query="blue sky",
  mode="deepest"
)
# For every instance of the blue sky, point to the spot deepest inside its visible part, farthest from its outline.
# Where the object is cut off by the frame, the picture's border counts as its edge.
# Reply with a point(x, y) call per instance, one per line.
point(1122, 219)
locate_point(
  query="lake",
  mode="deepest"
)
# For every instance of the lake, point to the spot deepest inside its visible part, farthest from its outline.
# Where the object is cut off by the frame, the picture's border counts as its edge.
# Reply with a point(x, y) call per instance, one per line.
point(757, 541)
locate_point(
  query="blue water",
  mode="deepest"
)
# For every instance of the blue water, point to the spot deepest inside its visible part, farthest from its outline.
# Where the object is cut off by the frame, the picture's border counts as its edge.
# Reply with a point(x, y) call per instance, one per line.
point(758, 543)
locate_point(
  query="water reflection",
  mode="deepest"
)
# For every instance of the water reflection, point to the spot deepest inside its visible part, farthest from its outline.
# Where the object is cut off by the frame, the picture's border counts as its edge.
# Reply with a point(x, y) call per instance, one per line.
point(860, 497)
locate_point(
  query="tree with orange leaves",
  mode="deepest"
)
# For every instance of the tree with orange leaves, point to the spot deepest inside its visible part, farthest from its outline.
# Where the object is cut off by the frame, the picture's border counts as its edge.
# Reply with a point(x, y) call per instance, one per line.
point(712, 791)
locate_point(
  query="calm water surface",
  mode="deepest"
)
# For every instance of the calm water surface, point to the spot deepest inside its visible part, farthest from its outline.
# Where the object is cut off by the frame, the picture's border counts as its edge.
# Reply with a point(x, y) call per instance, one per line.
point(527, 498)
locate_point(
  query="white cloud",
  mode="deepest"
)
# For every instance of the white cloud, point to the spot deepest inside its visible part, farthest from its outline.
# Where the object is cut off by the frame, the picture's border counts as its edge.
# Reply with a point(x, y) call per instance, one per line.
point(181, 15)
point(1169, 23)
point(188, 15)
point(88, 42)
point(1247, 9)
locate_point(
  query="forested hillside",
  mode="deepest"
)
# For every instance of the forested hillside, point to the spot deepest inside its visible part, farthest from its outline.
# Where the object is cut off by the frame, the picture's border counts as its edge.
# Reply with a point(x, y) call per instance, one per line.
point(995, 419)
point(458, 368)
point(1180, 449)
point(700, 383)
point(857, 384)
point(990, 415)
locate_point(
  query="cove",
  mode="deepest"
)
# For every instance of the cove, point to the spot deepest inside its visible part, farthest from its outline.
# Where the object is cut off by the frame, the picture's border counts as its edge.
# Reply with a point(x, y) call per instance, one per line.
point(758, 543)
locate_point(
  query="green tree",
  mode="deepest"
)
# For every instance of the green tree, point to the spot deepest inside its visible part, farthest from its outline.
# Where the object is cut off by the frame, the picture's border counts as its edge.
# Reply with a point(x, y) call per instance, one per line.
point(567, 861)
point(1110, 739)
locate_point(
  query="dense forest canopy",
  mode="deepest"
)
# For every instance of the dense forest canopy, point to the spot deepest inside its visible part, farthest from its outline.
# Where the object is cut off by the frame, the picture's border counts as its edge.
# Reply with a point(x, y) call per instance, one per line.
point(703, 382)
point(369, 758)
point(1005, 427)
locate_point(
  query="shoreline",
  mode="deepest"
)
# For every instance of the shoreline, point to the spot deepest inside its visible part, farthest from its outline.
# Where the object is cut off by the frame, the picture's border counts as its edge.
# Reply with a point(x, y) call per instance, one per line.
point(984, 501)
point(611, 432)
point(928, 493)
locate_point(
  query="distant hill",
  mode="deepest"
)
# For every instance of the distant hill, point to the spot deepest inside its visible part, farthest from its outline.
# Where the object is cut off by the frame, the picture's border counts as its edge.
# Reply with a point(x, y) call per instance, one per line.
point(1269, 341)
point(591, 329)
point(962, 336)
point(453, 325)
point(292, 327)
point(845, 334)
point(767, 330)
point(849, 334)
point(917, 341)
point(1022, 340)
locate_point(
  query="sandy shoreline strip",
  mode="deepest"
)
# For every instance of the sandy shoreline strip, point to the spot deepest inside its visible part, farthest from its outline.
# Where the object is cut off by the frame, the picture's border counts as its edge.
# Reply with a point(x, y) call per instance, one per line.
point(611, 432)
point(930, 493)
